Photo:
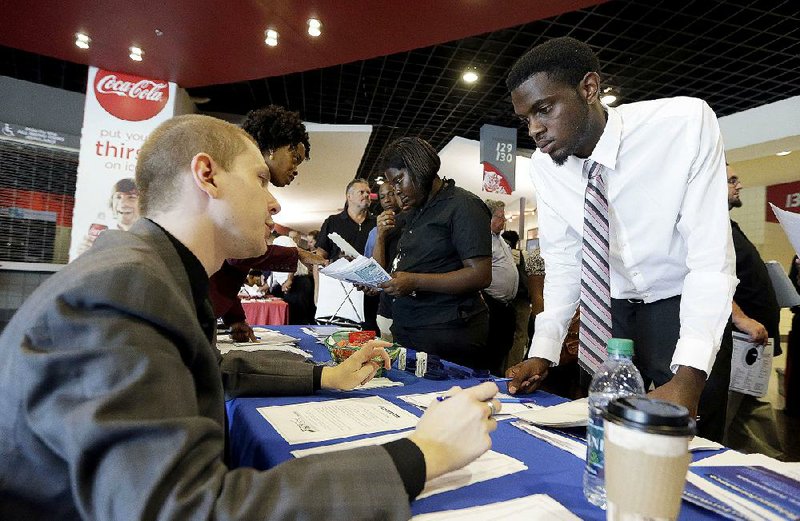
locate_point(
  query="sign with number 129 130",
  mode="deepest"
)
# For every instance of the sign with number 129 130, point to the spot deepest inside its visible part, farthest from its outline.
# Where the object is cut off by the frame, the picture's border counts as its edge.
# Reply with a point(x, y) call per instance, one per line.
point(499, 158)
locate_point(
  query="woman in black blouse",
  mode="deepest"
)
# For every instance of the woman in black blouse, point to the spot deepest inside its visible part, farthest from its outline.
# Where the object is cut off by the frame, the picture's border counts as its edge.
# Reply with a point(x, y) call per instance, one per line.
point(444, 258)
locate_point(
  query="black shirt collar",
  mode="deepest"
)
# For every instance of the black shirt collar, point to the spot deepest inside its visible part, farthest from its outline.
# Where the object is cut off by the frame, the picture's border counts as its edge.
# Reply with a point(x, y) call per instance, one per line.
point(198, 278)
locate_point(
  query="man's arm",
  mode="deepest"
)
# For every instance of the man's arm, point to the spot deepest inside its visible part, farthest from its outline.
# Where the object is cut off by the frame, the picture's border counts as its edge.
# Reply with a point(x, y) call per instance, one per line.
point(709, 285)
point(756, 331)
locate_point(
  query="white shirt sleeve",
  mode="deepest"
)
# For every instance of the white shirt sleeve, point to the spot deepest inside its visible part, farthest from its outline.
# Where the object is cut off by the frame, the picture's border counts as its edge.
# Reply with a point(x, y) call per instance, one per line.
point(704, 224)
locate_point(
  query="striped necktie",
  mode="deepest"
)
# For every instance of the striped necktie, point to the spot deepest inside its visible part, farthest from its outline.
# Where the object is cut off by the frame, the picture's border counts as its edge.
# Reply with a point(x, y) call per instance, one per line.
point(595, 322)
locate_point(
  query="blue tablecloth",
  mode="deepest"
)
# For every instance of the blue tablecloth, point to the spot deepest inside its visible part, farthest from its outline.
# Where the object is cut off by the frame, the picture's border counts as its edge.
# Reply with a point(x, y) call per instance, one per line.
point(254, 443)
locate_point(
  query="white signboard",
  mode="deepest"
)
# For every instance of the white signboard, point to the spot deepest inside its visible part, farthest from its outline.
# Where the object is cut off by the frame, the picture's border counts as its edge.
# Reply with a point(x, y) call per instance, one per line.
point(121, 110)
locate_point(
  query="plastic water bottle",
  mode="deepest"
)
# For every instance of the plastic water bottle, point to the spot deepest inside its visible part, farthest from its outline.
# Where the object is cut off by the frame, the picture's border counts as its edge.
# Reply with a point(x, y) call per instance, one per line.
point(616, 378)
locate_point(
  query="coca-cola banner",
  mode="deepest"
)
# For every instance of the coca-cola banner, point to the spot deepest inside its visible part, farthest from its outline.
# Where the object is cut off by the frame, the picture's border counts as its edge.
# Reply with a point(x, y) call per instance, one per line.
point(121, 110)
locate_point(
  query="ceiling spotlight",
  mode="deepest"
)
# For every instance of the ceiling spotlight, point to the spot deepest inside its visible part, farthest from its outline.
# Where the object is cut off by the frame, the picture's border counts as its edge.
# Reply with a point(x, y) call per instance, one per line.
point(608, 99)
point(82, 40)
point(314, 27)
point(136, 54)
point(606, 90)
point(470, 75)
point(379, 181)
point(271, 37)
point(784, 153)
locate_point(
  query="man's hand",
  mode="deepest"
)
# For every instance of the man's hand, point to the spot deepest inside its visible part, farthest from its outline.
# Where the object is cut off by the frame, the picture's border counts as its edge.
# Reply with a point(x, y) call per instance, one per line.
point(385, 222)
point(402, 284)
point(368, 290)
point(454, 432)
point(311, 259)
point(242, 332)
point(684, 389)
point(358, 369)
point(756, 332)
point(527, 375)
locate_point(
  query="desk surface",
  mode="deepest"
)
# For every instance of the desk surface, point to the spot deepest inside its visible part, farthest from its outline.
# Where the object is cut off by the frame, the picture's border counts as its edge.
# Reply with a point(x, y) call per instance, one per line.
point(254, 443)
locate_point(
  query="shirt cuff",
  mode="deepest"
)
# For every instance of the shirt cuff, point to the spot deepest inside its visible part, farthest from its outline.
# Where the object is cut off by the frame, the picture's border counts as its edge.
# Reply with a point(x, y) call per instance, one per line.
point(318, 377)
point(547, 348)
point(410, 464)
point(695, 353)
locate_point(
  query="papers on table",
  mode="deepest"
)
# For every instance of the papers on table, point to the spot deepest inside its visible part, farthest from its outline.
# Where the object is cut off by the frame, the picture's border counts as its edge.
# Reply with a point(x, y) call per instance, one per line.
point(559, 439)
point(332, 419)
point(750, 366)
point(376, 383)
point(785, 293)
point(569, 414)
point(250, 291)
point(536, 507)
point(507, 410)
point(790, 222)
point(323, 332)
point(745, 486)
point(268, 340)
point(361, 270)
point(490, 465)
point(698, 443)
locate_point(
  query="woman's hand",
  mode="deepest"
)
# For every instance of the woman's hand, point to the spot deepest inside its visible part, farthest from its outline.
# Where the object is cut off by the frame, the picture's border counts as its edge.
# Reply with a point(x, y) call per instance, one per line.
point(386, 222)
point(403, 283)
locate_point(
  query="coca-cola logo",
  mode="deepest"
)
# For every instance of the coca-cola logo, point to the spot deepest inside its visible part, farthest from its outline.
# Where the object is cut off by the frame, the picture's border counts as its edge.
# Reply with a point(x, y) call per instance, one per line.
point(129, 97)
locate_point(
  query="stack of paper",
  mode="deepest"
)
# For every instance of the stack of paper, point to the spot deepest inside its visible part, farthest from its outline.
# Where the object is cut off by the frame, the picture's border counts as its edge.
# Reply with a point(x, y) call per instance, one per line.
point(531, 508)
point(362, 270)
point(332, 419)
point(267, 340)
point(424, 400)
point(745, 486)
point(561, 440)
point(376, 383)
point(488, 466)
point(568, 414)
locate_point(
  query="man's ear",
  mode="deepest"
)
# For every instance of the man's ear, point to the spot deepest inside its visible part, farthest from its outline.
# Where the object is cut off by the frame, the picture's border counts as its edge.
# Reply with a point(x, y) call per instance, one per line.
point(589, 87)
point(204, 171)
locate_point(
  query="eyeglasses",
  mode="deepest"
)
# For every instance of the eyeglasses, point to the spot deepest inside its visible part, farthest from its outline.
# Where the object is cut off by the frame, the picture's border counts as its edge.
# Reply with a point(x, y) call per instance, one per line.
point(733, 181)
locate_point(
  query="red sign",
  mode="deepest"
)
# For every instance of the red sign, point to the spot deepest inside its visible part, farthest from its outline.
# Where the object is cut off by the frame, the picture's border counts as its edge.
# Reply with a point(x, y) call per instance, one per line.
point(130, 97)
point(785, 196)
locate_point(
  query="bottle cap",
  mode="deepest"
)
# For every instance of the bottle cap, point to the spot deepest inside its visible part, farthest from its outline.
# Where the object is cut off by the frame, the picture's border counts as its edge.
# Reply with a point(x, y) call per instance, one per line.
point(620, 346)
point(650, 415)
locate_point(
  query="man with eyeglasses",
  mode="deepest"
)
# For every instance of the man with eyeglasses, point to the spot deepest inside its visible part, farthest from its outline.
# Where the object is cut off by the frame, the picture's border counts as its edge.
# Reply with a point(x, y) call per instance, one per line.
point(750, 425)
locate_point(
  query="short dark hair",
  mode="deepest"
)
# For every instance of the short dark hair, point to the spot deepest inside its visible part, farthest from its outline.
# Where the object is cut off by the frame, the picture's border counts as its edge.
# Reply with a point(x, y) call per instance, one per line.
point(417, 157)
point(565, 60)
point(273, 127)
point(512, 237)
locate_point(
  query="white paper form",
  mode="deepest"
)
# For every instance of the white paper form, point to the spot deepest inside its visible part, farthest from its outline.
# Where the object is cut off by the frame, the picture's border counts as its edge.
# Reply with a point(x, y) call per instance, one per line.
point(530, 508)
point(376, 383)
point(790, 222)
point(332, 419)
point(750, 366)
point(507, 410)
point(489, 465)
point(574, 446)
point(569, 414)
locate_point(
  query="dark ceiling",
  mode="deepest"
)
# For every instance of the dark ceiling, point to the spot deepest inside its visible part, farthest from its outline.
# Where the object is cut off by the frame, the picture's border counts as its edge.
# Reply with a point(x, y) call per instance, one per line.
point(736, 55)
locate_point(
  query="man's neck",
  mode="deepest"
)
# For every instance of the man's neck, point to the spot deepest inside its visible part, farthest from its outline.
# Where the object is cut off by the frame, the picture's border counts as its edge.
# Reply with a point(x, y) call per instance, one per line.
point(356, 214)
point(196, 236)
point(594, 131)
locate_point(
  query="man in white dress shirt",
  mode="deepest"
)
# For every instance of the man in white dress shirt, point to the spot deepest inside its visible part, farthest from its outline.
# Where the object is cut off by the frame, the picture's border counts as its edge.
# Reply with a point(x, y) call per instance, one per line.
point(671, 259)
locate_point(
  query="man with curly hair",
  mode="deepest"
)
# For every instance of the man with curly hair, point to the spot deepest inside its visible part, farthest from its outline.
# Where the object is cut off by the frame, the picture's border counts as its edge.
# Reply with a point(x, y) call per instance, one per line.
point(282, 138)
point(283, 141)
